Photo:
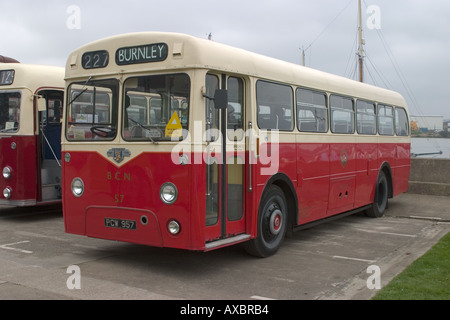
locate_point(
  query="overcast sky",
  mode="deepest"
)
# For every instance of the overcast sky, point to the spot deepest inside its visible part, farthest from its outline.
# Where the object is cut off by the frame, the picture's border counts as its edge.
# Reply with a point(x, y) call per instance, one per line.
point(407, 41)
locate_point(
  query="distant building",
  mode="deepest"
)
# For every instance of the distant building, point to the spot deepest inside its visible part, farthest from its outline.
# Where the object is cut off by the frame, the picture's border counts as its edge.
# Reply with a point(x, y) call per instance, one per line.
point(447, 125)
point(429, 123)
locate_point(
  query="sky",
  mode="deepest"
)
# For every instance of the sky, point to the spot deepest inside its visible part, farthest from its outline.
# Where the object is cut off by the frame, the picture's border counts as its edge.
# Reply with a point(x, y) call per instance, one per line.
point(407, 42)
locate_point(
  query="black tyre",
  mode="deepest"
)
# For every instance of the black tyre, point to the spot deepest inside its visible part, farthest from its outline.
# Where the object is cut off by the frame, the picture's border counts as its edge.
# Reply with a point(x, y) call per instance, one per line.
point(380, 203)
point(272, 224)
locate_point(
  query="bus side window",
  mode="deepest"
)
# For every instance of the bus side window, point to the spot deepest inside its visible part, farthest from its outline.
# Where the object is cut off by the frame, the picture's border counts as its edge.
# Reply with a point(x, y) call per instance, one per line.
point(312, 111)
point(401, 122)
point(385, 120)
point(366, 120)
point(342, 114)
point(275, 106)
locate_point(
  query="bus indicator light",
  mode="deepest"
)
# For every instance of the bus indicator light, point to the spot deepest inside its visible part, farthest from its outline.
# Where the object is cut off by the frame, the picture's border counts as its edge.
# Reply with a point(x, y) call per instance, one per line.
point(174, 227)
point(7, 172)
point(7, 193)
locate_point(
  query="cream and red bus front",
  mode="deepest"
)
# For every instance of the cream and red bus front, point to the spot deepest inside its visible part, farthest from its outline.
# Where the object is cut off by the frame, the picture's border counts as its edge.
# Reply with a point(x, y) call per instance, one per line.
point(22, 154)
point(131, 168)
point(119, 178)
point(17, 143)
point(142, 153)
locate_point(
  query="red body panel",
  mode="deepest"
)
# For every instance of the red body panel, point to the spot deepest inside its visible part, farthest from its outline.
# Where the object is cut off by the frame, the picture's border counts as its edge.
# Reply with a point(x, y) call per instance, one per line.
point(328, 178)
point(22, 161)
point(130, 192)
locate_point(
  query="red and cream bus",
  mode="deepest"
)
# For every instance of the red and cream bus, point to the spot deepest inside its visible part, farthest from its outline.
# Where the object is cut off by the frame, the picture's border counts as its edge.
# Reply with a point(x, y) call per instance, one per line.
point(175, 141)
point(31, 103)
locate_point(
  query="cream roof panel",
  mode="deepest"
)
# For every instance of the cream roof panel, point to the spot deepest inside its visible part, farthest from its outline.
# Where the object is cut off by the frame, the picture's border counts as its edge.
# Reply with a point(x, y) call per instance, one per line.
point(191, 52)
point(34, 77)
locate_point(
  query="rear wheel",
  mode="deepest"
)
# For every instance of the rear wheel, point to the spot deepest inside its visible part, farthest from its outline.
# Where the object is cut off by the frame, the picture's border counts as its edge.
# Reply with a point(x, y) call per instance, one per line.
point(380, 203)
point(272, 224)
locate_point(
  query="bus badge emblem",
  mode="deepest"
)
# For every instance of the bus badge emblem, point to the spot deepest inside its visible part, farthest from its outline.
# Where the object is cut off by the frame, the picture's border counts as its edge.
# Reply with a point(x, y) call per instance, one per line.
point(344, 158)
point(118, 154)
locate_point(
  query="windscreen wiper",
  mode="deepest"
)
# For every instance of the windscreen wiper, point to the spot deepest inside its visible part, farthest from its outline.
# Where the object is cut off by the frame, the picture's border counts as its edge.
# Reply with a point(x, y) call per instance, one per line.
point(9, 129)
point(82, 91)
point(143, 127)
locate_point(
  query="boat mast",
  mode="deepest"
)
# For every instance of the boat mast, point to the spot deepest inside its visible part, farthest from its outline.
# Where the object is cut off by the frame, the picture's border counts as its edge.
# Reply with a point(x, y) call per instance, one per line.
point(361, 44)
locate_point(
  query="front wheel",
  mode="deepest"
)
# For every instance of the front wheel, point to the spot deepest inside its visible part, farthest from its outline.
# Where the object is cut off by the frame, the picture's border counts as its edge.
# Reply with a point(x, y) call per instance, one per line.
point(380, 203)
point(272, 224)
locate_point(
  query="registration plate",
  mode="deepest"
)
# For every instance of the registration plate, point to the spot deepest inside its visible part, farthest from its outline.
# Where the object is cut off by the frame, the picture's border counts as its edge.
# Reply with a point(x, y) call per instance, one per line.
point(120, 224)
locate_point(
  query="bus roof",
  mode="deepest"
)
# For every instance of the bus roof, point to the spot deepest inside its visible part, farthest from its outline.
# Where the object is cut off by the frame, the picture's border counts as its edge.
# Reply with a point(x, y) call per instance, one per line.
point(184, 52)
point(32, 77)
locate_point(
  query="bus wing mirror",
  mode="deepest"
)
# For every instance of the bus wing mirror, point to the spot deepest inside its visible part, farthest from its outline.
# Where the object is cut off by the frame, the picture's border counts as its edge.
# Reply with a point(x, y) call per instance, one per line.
point(221, 99)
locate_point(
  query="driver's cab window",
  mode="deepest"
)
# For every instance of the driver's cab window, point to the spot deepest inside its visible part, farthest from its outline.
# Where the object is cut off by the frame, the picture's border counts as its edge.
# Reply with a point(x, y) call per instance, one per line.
point(92, 110)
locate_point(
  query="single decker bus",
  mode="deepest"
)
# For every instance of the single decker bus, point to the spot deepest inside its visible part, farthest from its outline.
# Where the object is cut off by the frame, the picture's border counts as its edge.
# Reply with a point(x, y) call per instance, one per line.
point(31, 105)
point(175, 141)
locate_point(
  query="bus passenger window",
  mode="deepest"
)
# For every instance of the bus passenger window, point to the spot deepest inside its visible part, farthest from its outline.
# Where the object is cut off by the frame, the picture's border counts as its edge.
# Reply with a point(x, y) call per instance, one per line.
point(385, 120)
point(275, 106)
point(342, 115)
point(235, 110)
point(366, 121)
point(312, 111)
point(401, 122)
point(54, 108)
point(212, 114)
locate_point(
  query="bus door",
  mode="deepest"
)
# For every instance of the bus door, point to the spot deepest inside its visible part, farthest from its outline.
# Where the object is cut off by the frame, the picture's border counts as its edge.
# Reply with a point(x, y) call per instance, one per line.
point(225, 175)
point(50, 115)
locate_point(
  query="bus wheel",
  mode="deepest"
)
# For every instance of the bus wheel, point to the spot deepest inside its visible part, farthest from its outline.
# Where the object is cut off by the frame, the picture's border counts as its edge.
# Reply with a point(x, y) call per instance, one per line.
point(272, 224)
point(380, 203)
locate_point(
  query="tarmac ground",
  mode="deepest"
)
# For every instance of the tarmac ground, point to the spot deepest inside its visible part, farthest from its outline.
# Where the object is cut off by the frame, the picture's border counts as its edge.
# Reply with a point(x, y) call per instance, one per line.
point(332, 261)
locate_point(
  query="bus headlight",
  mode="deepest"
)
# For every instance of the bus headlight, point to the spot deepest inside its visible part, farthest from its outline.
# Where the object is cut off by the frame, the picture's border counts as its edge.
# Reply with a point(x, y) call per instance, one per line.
point(168, 193)
point(7, 172)
point(77, 187)
point(7, 193)
point(174, 227)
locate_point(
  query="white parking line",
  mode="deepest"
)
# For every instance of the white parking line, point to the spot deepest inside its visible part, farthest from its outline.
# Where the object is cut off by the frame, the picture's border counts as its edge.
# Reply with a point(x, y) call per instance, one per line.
point(425, 218)
point(8, 247)
point(260, 298)
point(354, 259)
point(389, 233)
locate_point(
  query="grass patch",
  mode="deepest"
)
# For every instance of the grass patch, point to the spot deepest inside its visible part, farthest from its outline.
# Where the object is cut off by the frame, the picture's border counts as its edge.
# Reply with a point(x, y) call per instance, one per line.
point(427, 278)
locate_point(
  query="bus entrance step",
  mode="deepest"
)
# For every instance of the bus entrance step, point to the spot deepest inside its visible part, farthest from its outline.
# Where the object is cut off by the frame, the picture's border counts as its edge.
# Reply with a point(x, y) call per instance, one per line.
point(228, 241)
point(50, 192)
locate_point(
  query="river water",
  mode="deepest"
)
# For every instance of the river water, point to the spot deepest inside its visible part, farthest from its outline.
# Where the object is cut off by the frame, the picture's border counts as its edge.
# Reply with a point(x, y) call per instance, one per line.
point(431, 145)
